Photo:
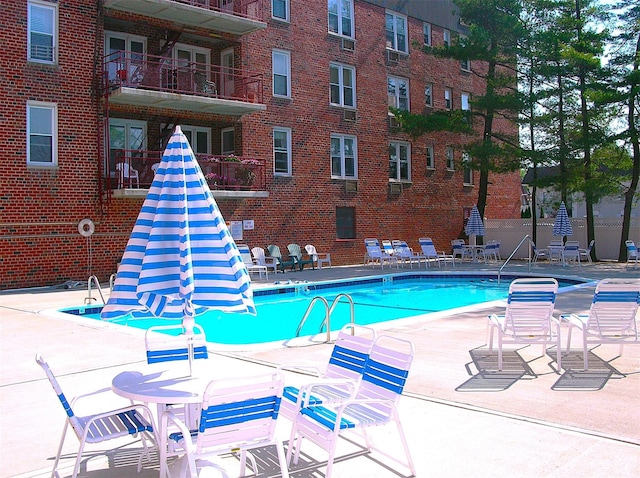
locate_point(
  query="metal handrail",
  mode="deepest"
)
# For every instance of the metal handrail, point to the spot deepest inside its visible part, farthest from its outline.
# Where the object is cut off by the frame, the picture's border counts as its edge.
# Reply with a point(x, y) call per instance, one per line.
point(335, 303)
point(88, 299)
point(112, 281)
point(513, 253)
point(306, 314)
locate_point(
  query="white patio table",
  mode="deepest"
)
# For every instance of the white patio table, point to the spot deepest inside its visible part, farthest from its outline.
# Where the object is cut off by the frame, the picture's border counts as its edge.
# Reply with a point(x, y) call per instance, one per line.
point(166, 384)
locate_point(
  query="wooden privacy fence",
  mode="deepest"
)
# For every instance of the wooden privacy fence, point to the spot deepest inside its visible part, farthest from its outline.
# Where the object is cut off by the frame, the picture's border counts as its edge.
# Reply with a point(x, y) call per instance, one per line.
point(607, 234)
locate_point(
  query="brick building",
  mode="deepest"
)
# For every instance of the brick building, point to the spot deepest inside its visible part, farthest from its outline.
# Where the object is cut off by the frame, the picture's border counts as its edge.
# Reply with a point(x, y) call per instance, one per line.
point(285, 103)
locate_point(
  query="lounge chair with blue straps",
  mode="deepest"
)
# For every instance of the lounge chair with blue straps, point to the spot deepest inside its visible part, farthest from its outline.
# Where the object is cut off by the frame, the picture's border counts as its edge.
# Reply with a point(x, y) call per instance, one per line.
point(237, 415)
point(346, 363)
point(528, 318)
point(133, 420)
point(373, 404)
point(430, 253)
point(611, 318)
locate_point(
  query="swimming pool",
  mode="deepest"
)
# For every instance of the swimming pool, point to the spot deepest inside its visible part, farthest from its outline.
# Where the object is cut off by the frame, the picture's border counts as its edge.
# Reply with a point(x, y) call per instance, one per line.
point(375, 299)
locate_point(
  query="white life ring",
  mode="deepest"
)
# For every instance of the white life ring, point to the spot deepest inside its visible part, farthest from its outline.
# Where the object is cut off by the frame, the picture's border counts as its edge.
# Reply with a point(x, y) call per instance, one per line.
point(86, 227)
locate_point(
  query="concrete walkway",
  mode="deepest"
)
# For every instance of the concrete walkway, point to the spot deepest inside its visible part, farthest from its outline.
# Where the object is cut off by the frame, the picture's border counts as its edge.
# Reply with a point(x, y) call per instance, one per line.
point(459, 420)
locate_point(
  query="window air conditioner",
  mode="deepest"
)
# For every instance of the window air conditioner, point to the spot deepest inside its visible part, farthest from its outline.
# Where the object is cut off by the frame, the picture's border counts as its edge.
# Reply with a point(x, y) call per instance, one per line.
point(393, 122)
point(392, 56)
point(349, 115)
point(395, 188)
point(351, 186)
point(348, 44)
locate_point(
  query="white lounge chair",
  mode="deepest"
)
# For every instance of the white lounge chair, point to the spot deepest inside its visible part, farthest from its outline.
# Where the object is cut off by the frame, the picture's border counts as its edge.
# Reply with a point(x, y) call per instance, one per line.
point(586, 253)
point(250, 263)
point(571, 253)
point(405, 254)
point(611, 318)
point(539, 253)
point(346, 363)
point(375, 255)
point(133, 420)
point(237, 415)
point(264, 260)
point(430, 253)
point(632, 253)
point(373, 404)
point(528, 318)
point(318, 258)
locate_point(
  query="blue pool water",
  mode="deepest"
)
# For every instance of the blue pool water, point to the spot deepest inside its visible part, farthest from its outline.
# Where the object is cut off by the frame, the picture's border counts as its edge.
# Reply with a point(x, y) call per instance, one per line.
point(376, 299)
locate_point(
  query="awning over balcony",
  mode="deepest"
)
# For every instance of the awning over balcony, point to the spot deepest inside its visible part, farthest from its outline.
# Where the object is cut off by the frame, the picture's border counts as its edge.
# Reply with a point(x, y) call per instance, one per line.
point(239, 17)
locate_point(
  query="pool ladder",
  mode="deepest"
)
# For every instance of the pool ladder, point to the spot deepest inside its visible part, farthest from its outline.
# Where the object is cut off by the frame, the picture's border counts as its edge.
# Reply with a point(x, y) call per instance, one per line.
point(94, 280)
point(328, 311)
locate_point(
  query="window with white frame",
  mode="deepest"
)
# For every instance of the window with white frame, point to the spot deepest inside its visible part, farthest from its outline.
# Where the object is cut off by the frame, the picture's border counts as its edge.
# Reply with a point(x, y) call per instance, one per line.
point(281, 73)
point(42, 25)
point(447, 98)
point(431, 164)
point(228, 141)
point(341, 17)
point(342, 85)
point(199, 138)
point(42, 134)
point(282, 151)
point(450, 158)
point(399, 161)
point(465, 65)
point(426, 32)
point(125, 56)
point(446, 37)
point(398, 92)
point(465, 101)
point(466, 169)
point(396, 31)
point(428, 94)
point(280, 9)
point(344, 157)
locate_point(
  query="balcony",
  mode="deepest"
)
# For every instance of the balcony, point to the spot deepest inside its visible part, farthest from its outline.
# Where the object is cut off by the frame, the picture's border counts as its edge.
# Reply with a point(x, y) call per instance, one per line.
point(158, 82)
point(131, 173)
point(237, 17)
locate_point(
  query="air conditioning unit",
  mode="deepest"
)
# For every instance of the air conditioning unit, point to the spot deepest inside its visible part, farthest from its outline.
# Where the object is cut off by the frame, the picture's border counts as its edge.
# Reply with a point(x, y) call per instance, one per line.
point(351, 186)
point(395, 188)
point(393, 122)
point(349, 115)
point(348, 44)
point(392, 56)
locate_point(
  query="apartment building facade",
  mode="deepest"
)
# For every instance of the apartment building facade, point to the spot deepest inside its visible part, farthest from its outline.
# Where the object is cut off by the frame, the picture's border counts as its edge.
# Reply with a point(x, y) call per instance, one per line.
point(285, 103)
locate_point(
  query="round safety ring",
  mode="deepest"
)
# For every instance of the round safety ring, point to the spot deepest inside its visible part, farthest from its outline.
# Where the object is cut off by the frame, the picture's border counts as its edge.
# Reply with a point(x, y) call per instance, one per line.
point(86, 227)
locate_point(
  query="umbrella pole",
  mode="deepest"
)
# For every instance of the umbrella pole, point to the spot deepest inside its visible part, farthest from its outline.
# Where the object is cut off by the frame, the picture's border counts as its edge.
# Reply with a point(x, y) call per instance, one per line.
point(188, 322)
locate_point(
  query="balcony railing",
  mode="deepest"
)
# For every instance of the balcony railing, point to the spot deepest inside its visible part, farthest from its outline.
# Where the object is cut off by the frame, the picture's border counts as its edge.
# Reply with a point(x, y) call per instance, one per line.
point(134, 168)
point(158, 73)
point(244, 8)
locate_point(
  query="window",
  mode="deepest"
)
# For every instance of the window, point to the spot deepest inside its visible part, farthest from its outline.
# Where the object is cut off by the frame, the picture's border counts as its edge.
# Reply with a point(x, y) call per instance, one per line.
point(428, 94)
point(465, 65)
point(280, 9)
point(43, 33)
point(426, 30)
point(282, 151)
point(126, 134)
point(344, 157)
point(447, 98)
point(399, 161)
point(342, 85)
point(398, 92)
point(42, 134)
point(449, 156)
point(446, 37)
point(228, 141)
point(281, 73)
point(345, 222)
point(127, 65)
point(466, 169)
point(396, 29)
point(341, 17)
point(464, 101)
point(430, 159)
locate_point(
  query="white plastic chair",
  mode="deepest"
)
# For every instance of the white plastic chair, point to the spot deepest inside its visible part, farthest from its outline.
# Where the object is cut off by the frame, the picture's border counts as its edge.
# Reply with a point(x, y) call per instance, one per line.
point(457, 248)
point(348, 357)
point(430, 253)
point(250, 263)
point(237, 415)
point(318, 258)
point(611, 318)
point(528, 318)
point(586, 253)
point(373, 404)
point(134, 420)
point(571, 253)
point(127, 176)
point(539, 253)
point(263, 260)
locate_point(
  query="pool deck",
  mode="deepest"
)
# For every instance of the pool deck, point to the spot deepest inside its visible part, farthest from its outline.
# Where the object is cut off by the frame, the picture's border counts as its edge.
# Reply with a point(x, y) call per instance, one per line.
point(460, 420)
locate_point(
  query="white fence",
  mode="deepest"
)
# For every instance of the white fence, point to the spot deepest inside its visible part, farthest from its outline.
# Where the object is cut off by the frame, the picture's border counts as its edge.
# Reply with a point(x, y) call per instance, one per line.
point(607, 234)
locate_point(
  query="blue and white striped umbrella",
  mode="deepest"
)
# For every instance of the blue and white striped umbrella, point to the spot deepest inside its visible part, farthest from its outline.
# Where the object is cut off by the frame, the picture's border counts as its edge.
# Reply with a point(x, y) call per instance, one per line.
point(562, 225)
point(180, 260)
point(474, 226)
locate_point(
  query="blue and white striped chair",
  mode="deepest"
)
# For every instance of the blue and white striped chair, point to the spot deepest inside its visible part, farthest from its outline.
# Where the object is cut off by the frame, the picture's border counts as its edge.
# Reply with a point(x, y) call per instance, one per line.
point(632, 253)
point(374, 403)
point(611, 318)
point(528, 318)
point(237, 415)
point(164, 346)
point(134, 420)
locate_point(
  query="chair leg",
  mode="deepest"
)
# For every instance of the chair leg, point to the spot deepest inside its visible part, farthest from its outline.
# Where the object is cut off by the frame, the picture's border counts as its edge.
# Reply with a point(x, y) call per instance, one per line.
point(585, 352)
point(284, 470)
point(57, 460)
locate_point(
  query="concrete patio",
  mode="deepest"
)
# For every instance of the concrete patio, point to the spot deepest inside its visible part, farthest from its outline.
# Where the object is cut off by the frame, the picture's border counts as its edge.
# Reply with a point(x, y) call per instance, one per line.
point(460, 420)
